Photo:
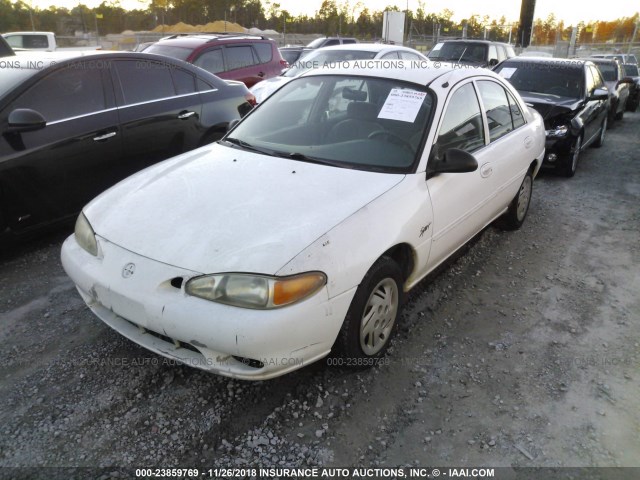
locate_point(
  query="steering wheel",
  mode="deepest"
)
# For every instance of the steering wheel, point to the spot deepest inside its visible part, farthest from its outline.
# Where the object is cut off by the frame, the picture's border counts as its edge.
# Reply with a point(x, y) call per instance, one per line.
point(393, 138)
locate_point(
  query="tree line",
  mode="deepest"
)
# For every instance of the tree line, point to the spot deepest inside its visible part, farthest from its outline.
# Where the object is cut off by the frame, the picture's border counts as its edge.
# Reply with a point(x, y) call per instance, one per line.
point(332, 18)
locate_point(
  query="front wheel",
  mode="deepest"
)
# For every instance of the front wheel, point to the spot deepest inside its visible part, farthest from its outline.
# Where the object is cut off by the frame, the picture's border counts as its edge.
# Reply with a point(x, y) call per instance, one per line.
point(519, 206)
point(571, 161)
point(372, 317)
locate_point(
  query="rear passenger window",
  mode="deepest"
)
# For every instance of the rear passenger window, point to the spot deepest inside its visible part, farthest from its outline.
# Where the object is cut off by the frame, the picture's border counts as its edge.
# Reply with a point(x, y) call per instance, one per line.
point(393, 55)
point(144, 81)
point(239, 57)
point(184, 82)
point(264, 52)
point(462, 123)
point(516, 113)
point(497, 108)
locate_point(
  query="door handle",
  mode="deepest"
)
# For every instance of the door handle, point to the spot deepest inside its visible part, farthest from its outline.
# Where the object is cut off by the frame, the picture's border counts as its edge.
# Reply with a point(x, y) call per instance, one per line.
point(261, 74)
point(486, 170)
point(184, 115)
point(100, 138)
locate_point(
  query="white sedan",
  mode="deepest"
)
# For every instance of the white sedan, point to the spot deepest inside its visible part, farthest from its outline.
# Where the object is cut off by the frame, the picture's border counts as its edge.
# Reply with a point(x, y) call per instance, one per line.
point(299, 233)
point(327, 56)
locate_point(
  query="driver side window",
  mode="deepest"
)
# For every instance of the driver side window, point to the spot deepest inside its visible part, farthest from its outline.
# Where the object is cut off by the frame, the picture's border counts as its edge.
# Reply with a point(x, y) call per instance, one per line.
point(462, 122)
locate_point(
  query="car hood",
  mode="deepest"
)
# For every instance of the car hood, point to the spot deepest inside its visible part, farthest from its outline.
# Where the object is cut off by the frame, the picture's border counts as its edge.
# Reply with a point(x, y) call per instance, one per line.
point(550, 106)
point(263, 89)
point(221, 209)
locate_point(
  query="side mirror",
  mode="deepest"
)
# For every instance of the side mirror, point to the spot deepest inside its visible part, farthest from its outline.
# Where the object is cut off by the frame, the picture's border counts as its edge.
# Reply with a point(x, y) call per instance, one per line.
point(454, 160)
point(25, 120)
point(493, 62)
point(599, 94)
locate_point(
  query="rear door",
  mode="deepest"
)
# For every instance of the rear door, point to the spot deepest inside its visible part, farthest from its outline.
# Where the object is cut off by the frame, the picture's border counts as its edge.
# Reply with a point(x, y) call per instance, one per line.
point(504, 159)
point(52, 172)
point(159, 110)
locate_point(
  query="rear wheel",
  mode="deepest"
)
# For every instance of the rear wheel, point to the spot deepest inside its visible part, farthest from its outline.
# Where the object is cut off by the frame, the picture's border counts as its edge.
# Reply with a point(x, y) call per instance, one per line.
point(372, 316)
point(571, 161)
point(620, 114)
point(603, 129)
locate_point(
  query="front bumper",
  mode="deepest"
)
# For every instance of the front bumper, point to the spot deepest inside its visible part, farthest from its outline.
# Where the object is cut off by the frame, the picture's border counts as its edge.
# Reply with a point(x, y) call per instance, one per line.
point(557, 149)
point(151, 308)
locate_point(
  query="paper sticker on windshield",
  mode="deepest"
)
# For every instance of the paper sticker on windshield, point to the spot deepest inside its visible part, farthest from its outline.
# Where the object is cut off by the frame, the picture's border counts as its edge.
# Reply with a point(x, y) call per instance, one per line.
point(402, 104)
point(507, 72)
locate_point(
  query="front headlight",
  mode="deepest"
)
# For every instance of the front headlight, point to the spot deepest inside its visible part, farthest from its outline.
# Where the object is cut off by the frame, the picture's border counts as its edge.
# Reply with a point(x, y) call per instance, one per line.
point(256, 291)
point(559, 131)
point(85, 236)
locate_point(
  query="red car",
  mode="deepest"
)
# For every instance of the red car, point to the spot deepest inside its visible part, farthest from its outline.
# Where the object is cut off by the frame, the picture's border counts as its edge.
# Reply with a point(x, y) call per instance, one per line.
point(247, 58)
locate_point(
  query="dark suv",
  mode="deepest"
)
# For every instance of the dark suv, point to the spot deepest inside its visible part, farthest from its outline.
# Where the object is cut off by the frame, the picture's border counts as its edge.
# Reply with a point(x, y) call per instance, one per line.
point(479, 53)
point(247, 58)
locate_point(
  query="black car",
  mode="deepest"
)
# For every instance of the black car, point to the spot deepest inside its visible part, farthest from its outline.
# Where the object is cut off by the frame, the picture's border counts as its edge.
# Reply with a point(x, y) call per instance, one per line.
point(479, 53)
point(572, 98)
point(631, 71)
point(71, 127)
point(5, 48)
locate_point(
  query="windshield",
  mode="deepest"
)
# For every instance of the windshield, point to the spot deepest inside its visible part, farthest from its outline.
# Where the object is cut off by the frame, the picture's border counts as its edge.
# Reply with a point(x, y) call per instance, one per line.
point(631, 70)
point(325, 58)
point(180, 53)
point(344, 121)
point(459, 52)
point(562, 80)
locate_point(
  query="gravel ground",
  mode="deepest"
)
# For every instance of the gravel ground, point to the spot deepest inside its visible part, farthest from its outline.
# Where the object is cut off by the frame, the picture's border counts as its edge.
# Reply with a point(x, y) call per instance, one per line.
point(522, 353)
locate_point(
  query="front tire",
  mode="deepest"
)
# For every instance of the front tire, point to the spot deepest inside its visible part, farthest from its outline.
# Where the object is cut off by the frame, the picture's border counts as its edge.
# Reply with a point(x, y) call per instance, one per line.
point(571, 161)
point(519, 206)
point(372, 317)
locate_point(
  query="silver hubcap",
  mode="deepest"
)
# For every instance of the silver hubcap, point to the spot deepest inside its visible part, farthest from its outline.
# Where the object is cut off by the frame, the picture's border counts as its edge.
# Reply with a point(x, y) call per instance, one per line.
point(523, 198)
point(576, 153)
point(379, 316)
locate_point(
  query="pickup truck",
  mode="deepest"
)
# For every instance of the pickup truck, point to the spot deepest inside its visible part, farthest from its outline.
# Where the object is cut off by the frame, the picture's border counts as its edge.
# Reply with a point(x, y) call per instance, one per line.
point(38, 41)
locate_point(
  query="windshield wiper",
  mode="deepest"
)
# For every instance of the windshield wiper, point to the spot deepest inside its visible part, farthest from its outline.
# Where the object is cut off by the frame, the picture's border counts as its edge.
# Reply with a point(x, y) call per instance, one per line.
point(305, 158)
point(247, 146)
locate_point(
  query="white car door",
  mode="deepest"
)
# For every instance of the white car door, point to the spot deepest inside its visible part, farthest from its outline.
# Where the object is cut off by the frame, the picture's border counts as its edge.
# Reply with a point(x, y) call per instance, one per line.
point(460, 201)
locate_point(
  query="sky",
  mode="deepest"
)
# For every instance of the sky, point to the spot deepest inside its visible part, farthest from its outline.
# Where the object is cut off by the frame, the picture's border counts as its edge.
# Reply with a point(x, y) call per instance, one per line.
point(571, 11)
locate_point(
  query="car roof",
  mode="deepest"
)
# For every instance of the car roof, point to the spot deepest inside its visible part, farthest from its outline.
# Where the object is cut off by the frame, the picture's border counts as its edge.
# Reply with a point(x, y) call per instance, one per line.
point(422, 75)
point(197, 39)
point(367, 47)
point(604, 61)
point(567, 62)
point(472, 40)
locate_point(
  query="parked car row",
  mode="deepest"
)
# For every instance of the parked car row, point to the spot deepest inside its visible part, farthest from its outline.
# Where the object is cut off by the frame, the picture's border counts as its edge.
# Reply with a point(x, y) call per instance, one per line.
point(312, 214)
